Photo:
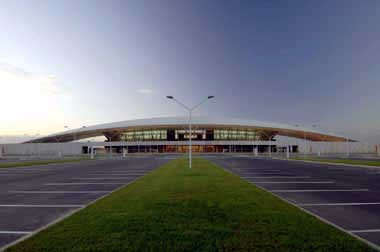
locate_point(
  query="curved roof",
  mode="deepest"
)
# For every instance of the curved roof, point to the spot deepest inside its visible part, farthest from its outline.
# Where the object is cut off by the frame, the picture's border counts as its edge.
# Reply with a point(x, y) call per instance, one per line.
point(181, 122)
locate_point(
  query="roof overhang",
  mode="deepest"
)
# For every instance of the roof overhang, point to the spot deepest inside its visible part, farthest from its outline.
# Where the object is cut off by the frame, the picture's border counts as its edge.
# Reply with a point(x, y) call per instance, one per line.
point(197, 122)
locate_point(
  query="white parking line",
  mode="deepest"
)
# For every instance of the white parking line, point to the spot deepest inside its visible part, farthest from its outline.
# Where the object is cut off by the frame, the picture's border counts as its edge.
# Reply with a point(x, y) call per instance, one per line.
point(365, 231)
point(322, 190)
point(275, 177)
point(84, 183)
point(259, 170)
point(293, 182)
point(267, 174)
point(341, 204)
point(101, 178)
point(15, 232)
point(47, 206)
point(43, 192)
point(115, 174)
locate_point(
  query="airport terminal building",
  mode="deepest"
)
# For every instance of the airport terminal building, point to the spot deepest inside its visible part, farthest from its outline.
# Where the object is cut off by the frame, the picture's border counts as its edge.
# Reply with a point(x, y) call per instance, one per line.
point(171, 135)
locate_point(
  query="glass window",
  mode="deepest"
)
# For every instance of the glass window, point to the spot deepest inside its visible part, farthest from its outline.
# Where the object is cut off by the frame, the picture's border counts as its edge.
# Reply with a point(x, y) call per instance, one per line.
point(144, 135)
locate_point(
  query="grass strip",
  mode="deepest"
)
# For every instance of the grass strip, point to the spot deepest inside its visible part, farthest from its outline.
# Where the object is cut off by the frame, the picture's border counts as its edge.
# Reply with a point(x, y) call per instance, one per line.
point(342, 161)
point(38, 162)
point(203, 209)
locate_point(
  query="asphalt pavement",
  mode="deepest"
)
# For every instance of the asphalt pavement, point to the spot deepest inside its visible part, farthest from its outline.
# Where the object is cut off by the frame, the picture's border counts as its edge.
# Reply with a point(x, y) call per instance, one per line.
point(346, 196)
point(35, 196)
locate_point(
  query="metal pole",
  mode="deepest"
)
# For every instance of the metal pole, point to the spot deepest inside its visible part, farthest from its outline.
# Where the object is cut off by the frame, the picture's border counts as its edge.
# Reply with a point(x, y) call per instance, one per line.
point(190, 136)
point(270, 149)
point(304, 142)
point(92, 152)
point(287, 151)
point(110, 147)
point(348, 147)
point(190, 115)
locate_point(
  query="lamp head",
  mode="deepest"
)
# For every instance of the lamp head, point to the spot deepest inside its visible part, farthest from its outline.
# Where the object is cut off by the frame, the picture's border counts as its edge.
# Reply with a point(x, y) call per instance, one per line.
point(210, 97)
point(169, 97)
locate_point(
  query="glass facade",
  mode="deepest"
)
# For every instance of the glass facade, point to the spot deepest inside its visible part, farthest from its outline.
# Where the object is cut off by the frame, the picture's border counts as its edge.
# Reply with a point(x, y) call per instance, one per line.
point(197, 134)
point(144, 135)
point(242, 135)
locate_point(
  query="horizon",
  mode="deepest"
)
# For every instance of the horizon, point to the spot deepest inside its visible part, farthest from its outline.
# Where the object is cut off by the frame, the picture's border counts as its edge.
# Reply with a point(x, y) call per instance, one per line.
point(91, 62)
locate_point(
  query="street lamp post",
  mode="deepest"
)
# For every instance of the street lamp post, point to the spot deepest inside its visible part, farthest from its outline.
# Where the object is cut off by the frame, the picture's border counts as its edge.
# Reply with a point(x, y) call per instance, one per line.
point(190, 110)
point(319, 144)
point(304, 141)
point(38, 146)
point(1, 150)
point(72, 146)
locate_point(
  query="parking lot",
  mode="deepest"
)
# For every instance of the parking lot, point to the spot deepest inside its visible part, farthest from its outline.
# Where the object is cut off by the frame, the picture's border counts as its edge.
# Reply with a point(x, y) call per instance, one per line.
point(346, 196)
point(32, 197)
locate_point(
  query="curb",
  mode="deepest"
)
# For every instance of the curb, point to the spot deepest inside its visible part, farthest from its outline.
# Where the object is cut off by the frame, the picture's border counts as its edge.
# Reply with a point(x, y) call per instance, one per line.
point(70, 213)
point(368, 243)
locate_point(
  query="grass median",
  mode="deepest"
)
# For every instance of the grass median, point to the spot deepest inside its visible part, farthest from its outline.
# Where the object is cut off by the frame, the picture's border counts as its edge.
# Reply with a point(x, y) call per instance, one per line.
point(39, 162)
point(342, 161)
point(203, 209)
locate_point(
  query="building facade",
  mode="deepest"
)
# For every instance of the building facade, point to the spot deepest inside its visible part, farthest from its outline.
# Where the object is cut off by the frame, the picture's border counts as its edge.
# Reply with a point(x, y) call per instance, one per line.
point(208, 134)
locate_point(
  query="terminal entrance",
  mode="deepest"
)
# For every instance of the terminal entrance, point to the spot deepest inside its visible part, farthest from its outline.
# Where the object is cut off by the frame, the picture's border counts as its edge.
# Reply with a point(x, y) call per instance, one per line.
point(196, 149)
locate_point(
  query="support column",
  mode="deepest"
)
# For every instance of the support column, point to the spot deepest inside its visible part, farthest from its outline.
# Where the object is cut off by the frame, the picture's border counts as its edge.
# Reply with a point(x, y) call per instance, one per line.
point(270, 150)
point(287, 151)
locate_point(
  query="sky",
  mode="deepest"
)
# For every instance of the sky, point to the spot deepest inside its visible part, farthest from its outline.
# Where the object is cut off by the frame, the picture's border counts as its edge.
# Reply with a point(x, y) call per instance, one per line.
point(80, 63)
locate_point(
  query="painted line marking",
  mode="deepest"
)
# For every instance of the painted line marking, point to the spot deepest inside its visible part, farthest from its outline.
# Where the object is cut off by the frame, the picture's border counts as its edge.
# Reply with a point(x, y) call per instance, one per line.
point(262, 170)
point(281, 173)
point(23, 171)
point(365, 231)
point(369, 243)
point(293, 182)
point(47, 206)
point(321, 190)
point(84, 184)
point(107, 171)
point(341, 204)
point(267, 174)
point(102, 178)
point(115, 174)
point(274, 177)
point(48, 192)
point(15, 232)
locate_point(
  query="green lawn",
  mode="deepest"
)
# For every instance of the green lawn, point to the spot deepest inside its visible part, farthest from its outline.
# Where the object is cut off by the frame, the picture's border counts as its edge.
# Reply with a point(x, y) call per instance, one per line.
point(342, 161)
point(203, 209)
point(38, 162)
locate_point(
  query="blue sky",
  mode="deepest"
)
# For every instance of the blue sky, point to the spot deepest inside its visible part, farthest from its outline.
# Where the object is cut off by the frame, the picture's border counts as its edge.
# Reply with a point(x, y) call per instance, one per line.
point(85, 62)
